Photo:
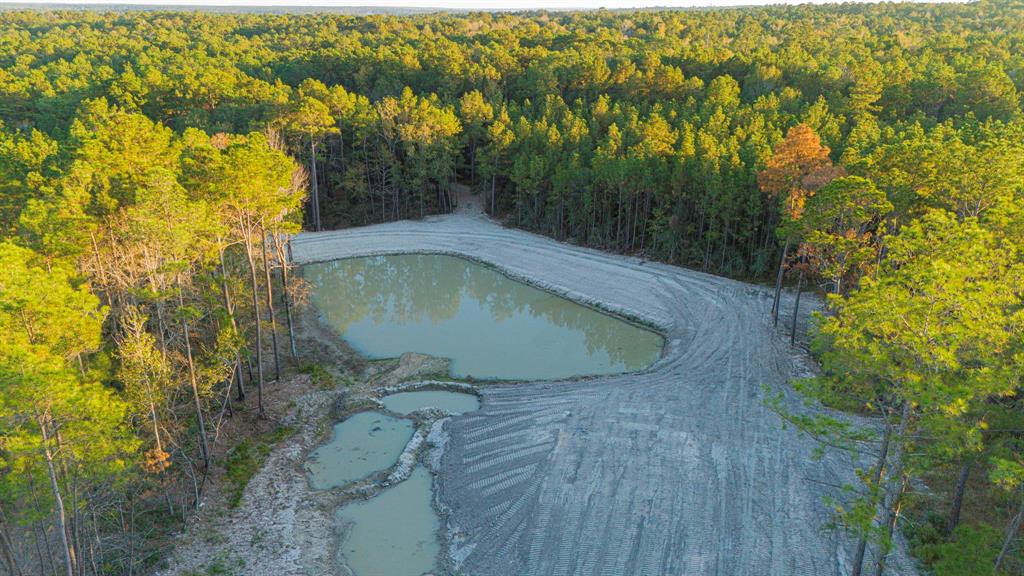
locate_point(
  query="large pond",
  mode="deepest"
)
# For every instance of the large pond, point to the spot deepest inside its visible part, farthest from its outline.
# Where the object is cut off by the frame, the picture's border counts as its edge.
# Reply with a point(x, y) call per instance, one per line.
point(490, 326)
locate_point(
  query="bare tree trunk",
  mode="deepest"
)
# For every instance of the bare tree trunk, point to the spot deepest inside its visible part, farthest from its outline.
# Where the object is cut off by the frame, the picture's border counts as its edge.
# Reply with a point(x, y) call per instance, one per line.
point(958, 496)
point(41, 535)
point(862, 542)
point(101, 270)
point(796, 308)
point(161, 327)
point(203, 447)
point(156, 427)
point(225, 406)
point(256, 314)
point(897, 484)
point(69, 553)
point(778, 283)
point(284, 255)
point(890, 525)
point(1011, 534)
point(96, 538)
point(270, 302)
point(230, 309)
point(7, 546)
point(131, 537)
point(196, 491)
point(316, 187)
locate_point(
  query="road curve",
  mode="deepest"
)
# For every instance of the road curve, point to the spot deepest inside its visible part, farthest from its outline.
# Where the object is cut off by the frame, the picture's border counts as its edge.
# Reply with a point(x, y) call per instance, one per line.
point(677, 470)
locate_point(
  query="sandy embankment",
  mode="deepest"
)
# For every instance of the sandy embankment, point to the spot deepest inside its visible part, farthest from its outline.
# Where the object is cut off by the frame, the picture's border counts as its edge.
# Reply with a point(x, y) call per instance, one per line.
point(680, 469)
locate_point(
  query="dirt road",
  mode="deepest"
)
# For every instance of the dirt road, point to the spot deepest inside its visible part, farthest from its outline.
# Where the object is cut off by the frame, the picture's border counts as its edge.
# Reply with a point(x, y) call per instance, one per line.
point(680, 470)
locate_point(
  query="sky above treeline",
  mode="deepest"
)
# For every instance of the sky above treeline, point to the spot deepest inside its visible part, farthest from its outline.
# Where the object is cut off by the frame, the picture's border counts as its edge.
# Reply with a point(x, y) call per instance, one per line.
point(443, 4)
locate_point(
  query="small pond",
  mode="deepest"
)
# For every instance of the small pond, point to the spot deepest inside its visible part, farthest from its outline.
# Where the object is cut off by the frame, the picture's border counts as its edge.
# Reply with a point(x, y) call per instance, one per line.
point(362, 444)
point(491, 327)
point(451, 402)
point(393, 533)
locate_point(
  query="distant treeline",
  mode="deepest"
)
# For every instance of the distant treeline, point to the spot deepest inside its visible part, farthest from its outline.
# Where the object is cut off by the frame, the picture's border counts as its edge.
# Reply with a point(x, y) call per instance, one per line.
point(637, 131)
point(153, 165)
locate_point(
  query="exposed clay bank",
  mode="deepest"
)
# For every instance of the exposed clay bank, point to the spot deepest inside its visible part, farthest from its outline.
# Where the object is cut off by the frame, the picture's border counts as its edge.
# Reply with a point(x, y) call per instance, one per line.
point(491, 327)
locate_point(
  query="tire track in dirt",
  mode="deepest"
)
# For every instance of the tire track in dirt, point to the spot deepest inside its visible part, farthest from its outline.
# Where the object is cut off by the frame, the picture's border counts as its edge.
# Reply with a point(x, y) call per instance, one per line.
point(679, 469)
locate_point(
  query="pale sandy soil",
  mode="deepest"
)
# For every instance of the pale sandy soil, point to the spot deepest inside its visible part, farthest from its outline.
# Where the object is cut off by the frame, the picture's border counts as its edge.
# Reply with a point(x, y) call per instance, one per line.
point(678, 470)
point(282, 526)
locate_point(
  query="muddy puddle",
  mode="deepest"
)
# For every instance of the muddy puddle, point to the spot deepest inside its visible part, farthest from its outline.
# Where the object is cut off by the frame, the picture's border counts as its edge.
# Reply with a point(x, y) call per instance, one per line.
point(450, 402)
point(393, 533)
point(361, 445)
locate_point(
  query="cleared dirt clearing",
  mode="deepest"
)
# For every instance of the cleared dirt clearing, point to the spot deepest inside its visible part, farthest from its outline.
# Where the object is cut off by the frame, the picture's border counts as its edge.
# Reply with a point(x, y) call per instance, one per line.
point(680, 469)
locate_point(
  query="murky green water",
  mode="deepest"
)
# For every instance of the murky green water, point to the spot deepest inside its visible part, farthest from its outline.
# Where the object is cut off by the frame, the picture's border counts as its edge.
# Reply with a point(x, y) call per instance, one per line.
point(364, 443)
point(393, 533)
point(451, 402)
point(490, 326)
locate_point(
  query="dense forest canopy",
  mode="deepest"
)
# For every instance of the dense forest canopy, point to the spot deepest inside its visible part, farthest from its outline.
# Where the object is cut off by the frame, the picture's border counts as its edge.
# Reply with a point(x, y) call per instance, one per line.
point(634, 131)
point(154, 164)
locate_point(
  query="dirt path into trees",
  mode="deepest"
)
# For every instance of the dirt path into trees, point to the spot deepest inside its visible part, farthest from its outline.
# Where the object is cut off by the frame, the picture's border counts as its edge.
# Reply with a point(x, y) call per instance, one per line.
point(467, 203)
point(681, 469)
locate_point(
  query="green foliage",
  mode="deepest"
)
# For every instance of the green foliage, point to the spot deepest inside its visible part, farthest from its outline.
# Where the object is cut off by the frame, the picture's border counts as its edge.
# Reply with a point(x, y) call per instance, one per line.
point(247, 458)
point(971, 551)
point(930, 342)
point(939, 321)
point(523, 105)
point(321, 377)
point(144, 158)
point(839, 223)
point(49, 320)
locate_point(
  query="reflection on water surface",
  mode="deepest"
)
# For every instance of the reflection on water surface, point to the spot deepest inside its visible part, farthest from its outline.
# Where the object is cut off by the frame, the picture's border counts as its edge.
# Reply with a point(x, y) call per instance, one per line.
point(490, 326)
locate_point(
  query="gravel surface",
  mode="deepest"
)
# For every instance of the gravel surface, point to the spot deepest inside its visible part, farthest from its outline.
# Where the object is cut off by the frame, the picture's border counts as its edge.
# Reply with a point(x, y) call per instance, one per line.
point(680, 469)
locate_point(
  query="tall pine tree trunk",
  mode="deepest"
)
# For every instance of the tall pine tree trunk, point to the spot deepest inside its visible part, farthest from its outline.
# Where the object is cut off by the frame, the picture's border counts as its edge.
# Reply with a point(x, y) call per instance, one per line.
point(862, 542)
point(958, 496)
point(778, 283)
point(230, 309)
point(313, 181)
point(283, 253)
point(256, 315)
point(1011, 533)
point(270, 302)
point(203, 447)
point(895, 485)
point(796, 308)
point(69, 553)
point(890, 525)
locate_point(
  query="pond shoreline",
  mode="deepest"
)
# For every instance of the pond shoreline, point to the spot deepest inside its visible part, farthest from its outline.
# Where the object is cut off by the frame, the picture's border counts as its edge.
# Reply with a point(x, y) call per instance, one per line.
point(492, 327)
point(680, 468)
point(596, 474)
point(282, 526)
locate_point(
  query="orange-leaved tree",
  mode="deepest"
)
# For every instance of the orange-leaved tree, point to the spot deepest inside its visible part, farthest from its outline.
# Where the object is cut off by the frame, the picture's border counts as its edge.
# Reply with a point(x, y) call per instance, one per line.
point(799, 166)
